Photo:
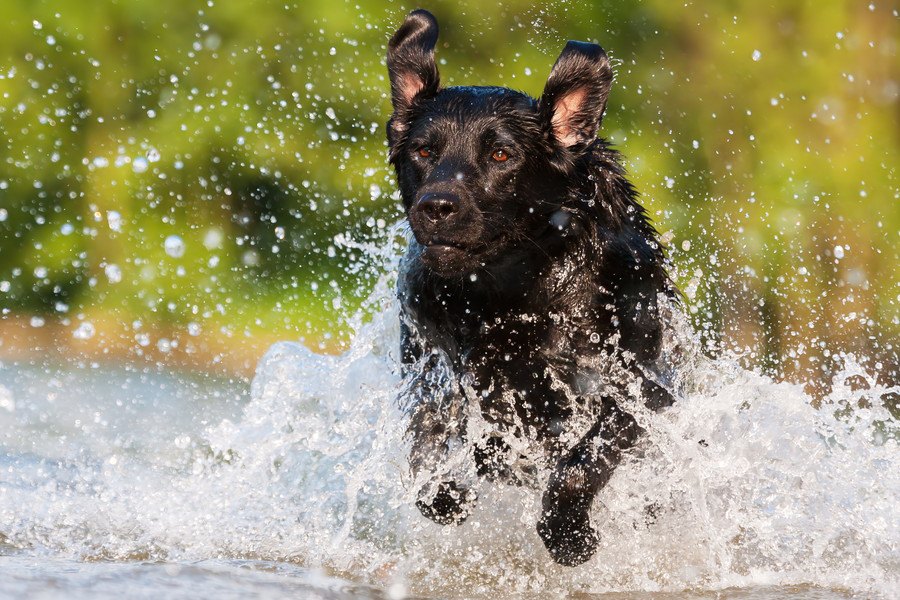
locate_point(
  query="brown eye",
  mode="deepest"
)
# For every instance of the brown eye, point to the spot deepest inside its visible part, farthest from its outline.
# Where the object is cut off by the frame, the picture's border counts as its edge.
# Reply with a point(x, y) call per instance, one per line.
point(500, 155)
point(425, 152)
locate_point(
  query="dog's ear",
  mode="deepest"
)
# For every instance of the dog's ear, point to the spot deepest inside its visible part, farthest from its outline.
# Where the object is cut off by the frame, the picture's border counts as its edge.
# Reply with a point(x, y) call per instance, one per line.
point(575, 95)
point(410, 62)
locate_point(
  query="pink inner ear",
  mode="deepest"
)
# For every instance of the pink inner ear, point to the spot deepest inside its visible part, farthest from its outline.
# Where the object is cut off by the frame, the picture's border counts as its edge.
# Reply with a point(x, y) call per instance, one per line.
point(409, 86)
point(564, 111)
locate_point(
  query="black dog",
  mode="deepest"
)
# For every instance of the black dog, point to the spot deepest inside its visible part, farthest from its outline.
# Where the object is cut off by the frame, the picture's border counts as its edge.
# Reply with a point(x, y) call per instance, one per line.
point(533, 275)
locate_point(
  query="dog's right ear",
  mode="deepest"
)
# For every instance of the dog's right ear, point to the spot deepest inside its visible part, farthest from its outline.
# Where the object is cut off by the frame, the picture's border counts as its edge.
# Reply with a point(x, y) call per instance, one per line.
point(411, 67)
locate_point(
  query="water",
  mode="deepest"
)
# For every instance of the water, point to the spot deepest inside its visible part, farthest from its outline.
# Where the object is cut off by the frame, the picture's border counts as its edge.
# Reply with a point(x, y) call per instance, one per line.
point(115, 481)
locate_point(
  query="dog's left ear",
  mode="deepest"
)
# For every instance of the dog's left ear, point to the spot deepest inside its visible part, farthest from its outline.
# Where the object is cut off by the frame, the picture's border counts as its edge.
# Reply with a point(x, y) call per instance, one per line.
point(410, 62)
point(574, 97)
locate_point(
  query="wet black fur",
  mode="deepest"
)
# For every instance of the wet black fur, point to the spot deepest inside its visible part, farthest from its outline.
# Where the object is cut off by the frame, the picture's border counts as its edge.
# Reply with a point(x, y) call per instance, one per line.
point(527, 279)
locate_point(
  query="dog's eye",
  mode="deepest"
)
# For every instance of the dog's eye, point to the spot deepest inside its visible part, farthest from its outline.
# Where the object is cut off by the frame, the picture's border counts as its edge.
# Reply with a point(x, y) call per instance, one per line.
point(424, 152)
point(500, 155)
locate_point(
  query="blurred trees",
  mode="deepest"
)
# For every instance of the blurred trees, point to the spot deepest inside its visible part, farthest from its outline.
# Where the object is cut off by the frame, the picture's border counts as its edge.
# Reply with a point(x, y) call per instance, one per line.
point(204, 164)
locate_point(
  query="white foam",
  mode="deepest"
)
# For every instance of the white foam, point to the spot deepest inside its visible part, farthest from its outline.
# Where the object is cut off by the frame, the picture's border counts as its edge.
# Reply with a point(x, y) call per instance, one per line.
point(742, 482)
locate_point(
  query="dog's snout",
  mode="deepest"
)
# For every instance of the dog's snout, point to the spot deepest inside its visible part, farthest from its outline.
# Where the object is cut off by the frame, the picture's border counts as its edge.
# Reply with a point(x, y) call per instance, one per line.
point(438, 207)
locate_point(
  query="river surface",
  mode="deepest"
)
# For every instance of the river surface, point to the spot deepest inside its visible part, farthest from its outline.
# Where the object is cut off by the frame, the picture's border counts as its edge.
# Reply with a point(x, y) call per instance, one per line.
point(119, 481)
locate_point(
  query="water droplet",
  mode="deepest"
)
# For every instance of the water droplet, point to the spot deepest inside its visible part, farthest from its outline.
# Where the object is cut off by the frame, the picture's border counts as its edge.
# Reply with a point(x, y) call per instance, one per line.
point(250, 258)
point(213, 238)
point(113, 273)
point(174, 246)
point(114, 219)
point(85, 331)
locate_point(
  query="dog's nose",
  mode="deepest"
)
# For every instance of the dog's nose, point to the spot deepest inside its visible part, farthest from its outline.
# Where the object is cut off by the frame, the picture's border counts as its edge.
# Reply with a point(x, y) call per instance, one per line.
point(438, 206)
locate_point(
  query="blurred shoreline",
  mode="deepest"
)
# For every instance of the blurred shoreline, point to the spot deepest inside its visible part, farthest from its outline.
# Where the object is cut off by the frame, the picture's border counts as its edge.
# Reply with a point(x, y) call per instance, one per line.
point(22, 338)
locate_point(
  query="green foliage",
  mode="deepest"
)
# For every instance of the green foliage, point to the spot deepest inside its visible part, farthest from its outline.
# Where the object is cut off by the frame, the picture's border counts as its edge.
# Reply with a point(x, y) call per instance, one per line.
point(762, 134)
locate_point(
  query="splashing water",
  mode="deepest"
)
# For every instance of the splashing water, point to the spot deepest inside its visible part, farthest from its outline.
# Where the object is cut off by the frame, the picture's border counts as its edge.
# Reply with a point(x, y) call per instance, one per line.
point(744, 482)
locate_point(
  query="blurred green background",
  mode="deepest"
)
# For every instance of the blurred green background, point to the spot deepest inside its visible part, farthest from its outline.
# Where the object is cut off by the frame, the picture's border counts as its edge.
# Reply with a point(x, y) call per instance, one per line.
point(188, 181)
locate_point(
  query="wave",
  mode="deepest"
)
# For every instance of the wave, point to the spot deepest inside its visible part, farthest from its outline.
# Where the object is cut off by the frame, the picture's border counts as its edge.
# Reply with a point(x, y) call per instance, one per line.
point(746, 481)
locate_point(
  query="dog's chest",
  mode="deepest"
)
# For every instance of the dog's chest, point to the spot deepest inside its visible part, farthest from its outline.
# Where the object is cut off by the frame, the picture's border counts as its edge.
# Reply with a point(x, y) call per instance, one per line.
point(523, 366)
point(524, 373)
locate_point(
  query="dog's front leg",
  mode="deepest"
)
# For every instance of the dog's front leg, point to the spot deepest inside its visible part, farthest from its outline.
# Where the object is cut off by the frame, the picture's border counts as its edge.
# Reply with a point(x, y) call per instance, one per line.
point(565, 523)
point(437, 430)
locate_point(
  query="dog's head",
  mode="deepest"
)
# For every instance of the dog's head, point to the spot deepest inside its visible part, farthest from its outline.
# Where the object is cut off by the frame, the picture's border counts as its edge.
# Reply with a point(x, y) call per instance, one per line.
point(483, 171)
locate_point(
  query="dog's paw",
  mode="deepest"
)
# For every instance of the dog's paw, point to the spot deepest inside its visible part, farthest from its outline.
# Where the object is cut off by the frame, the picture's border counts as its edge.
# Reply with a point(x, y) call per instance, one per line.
point(570, 541)
point(450, 505)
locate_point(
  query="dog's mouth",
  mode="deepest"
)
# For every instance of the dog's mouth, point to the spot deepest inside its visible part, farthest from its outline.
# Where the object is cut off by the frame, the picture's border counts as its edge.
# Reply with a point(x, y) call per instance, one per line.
point(476, 247)
point(451, 258)
point(445, 246)
point(447, 257)
point(445, 253)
